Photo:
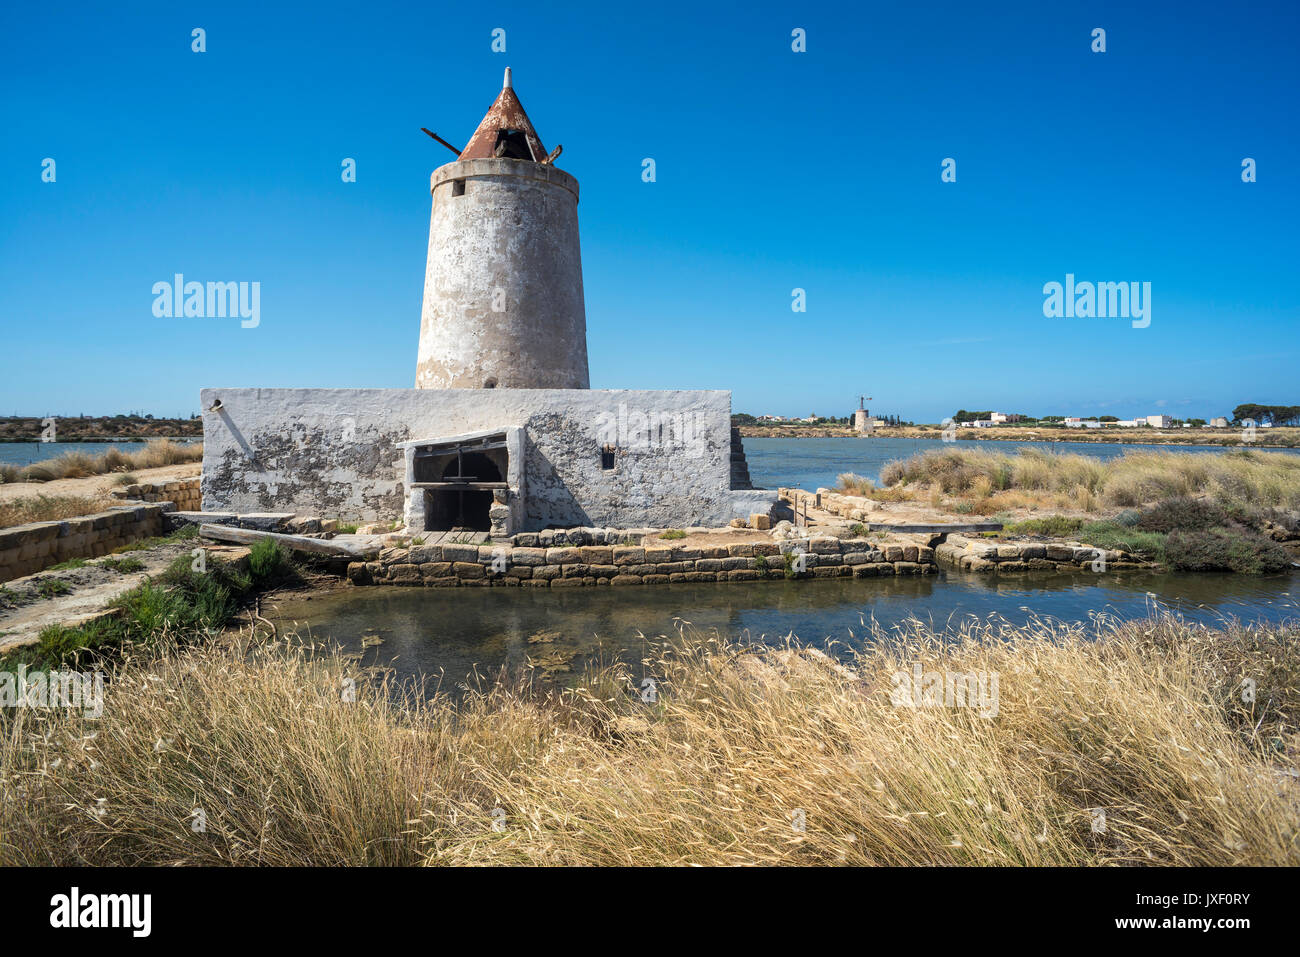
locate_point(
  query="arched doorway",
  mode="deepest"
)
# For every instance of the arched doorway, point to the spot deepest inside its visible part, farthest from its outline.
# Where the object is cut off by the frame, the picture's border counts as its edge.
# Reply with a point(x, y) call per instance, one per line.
point(468, 508)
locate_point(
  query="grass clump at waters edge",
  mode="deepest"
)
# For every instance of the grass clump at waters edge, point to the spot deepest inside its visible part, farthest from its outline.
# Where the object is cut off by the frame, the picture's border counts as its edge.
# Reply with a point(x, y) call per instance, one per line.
point(1187, 534)
point(179, 605)
point(1146, 723)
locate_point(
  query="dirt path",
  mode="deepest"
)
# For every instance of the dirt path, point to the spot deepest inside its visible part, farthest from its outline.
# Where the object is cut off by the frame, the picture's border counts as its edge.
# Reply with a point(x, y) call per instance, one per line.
point(25, 610)
point(95, 486)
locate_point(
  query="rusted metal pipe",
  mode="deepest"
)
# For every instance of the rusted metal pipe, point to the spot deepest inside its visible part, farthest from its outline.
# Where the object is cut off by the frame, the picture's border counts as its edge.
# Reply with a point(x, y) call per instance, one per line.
point(440, 140)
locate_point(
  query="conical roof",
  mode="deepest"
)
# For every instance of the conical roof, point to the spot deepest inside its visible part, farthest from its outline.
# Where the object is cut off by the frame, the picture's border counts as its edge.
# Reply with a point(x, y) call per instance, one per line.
point(506, 132)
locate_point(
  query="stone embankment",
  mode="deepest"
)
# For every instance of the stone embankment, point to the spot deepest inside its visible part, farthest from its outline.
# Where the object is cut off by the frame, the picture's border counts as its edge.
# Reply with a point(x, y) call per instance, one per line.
point(26, 549)
point(565, 565)
point(984, 556)
point(184, 493)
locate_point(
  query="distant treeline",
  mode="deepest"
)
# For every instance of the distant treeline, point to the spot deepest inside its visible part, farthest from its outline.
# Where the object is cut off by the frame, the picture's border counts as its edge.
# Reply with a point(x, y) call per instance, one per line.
point(1277, 414)
point(82, 428)
point(1274, 414)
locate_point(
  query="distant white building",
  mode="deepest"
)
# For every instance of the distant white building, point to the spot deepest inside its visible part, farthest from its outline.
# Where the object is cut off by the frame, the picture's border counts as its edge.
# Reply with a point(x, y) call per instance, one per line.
point(1219, 422)
point(1160, 421)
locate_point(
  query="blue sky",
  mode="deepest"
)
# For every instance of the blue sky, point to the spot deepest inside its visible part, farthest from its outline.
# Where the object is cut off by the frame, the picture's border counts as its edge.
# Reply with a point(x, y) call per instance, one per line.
point(776, 170)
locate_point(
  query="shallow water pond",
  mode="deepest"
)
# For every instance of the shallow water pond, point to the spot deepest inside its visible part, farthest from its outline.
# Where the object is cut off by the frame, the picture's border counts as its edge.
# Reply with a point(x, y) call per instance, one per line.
point(455, 631)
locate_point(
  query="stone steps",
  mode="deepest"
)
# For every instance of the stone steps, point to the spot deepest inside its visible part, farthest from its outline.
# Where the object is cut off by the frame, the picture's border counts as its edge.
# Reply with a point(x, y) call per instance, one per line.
point(740, 480)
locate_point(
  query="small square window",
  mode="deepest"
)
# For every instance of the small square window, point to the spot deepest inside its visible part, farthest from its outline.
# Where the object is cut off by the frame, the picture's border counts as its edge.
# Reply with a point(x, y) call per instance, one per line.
point(458, 187)
point(607, 457)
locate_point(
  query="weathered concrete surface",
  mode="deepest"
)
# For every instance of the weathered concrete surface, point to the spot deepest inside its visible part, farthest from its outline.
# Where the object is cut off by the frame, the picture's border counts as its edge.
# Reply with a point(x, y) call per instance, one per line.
point(334, 452)
point(503, 302)
point(296, 543)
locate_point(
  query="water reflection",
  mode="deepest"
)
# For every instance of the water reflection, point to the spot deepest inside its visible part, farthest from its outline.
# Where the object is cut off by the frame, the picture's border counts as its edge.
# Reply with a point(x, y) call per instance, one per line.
point(454, 631)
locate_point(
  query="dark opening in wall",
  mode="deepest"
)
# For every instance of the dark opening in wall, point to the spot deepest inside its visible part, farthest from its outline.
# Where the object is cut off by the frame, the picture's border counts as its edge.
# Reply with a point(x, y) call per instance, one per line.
point(490, 382)
point(446, 509)
point(458, 187)
point(513, 144)
point(607, 457)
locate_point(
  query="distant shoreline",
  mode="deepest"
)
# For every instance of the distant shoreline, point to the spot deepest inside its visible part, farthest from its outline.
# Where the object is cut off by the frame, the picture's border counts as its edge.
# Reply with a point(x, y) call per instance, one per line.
point(82, 440)
point(1281, 438)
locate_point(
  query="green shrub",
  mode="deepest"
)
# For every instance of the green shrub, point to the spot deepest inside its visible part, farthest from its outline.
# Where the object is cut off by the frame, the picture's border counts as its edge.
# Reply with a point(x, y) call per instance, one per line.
point(789, 558)
point(1053, 526)
point(49, 587)
point(1148, 545)
point(266, 559)
point(123, 566)
point(673, 533)
point(1181, 514)
point(1223, 549)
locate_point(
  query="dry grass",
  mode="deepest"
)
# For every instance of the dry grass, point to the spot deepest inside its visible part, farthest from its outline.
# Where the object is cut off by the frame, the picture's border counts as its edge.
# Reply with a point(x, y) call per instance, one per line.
point(1147, 725)
point(850, 483)
point(50, 508)
point(1248, 478)
point(154, 454)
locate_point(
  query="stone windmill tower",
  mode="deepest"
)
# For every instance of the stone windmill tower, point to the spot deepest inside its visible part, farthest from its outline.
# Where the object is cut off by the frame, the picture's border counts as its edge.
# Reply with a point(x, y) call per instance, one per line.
point(503, 304)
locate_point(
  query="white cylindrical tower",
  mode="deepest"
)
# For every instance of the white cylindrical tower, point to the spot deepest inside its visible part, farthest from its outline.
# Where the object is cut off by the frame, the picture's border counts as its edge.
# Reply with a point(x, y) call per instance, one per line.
point(503, 304)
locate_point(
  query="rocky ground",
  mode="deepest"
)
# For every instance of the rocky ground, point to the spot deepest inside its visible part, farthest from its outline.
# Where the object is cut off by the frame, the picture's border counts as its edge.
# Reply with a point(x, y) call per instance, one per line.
point(95, 486)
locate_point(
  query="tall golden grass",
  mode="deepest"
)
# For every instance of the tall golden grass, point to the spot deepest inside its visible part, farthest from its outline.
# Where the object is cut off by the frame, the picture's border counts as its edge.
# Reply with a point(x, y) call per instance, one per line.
point(51, 508)
point(1232, 478)
point(155, 454)
point(748, 756)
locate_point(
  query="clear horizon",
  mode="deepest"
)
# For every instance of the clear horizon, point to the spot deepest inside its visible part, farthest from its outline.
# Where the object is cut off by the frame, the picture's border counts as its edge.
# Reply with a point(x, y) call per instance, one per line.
point(775, 171)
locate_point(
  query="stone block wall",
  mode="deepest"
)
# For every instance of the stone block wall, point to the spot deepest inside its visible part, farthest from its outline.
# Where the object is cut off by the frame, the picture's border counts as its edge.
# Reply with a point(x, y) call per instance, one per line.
point(572, 566)
point(183, 492)
point(983, 556)
point(26, 549)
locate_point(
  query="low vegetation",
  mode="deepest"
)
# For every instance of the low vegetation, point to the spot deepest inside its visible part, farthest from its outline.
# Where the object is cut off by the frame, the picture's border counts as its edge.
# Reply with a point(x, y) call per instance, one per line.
point(1230, 480)
point(1141, 747)
point(154, 454)
point(1185, 533)
point(50, 508)
point(180, 605)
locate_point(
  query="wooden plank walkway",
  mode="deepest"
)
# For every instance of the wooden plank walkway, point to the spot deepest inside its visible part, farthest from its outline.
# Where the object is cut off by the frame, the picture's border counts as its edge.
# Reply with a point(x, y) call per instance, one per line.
point(457, 536)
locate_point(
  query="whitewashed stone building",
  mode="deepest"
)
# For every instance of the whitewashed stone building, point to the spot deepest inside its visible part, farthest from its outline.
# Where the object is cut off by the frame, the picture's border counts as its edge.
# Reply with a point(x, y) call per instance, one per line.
point(501, 433)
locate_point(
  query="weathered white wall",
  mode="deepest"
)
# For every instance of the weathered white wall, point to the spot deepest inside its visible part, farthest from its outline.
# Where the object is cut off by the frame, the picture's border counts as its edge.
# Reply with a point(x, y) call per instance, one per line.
point(334, 452)
point(503, 282)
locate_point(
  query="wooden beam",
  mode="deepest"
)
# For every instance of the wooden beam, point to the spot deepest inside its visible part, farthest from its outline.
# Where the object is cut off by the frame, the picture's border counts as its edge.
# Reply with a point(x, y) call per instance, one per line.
point(463, 486)
point(297, 543)
point(441, 140)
